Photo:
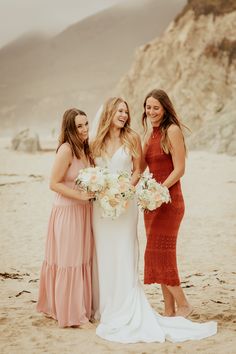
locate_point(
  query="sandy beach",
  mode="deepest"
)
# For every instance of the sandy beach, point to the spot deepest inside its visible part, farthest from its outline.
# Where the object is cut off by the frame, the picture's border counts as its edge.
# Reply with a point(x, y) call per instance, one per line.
point(206, 256)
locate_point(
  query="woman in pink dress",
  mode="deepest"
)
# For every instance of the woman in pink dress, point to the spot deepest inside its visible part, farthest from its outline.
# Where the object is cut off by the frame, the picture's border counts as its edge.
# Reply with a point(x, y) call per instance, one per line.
point(65, 282)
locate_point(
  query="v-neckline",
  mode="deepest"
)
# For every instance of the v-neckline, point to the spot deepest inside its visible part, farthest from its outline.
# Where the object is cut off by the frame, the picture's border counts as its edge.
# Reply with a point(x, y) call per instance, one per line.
point(111, 157)
point(82, 162)
point(85, 165)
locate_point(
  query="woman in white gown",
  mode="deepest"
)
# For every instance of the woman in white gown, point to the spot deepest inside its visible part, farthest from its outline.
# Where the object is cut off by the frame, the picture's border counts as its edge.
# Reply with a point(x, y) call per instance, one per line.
point(125, 314)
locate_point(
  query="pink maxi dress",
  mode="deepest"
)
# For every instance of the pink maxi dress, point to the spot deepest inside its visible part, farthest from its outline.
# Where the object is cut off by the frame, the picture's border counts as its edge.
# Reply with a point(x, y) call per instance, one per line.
point(65, 292)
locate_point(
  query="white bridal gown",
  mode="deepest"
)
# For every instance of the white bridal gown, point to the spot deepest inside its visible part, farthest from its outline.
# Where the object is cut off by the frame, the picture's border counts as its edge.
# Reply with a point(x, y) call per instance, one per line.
point(125, 314)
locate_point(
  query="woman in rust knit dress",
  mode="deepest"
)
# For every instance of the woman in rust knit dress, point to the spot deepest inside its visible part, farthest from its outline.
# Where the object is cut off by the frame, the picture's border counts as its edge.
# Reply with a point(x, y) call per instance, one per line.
point(164, 155)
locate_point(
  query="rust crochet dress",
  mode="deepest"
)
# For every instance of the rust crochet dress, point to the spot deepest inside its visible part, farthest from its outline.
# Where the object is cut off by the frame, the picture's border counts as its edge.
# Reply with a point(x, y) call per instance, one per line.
point(162, 224)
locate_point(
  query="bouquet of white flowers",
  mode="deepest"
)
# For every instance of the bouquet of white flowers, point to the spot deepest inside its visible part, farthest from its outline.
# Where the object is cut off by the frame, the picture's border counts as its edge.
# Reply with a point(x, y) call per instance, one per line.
point(92, 179)
point(115, 196)
point(112, 190)
point(150, 193)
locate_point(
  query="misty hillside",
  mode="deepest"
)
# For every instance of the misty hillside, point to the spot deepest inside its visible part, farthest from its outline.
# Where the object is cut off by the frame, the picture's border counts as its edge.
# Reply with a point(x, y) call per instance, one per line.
point(41, 77)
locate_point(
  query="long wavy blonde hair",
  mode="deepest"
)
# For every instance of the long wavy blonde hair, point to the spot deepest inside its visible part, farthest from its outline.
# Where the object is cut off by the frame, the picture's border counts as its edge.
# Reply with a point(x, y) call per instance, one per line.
point(127, 135)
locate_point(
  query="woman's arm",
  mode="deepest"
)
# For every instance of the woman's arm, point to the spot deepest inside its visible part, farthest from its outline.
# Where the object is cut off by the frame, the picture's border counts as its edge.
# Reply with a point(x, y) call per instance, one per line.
point(61, 165)
point(178, 153)
point(145, 146)
point(137, 163)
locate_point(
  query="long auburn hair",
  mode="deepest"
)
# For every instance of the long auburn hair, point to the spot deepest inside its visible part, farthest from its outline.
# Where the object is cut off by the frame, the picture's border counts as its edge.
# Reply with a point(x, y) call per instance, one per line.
point(69, 134)
point(127, 135)
point(170, 117)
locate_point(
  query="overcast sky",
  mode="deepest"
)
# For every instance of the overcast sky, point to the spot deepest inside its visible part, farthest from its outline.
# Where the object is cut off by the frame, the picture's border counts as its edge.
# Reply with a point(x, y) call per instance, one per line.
point(21, 16)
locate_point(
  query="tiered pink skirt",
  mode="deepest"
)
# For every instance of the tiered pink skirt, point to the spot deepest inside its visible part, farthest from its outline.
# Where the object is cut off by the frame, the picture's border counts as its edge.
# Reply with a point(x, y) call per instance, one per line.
point(65, 291)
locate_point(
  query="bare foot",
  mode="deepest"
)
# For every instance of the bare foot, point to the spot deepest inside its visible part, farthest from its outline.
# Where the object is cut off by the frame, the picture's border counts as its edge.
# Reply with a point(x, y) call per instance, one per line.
point(87, 325)
point(169, 314)
point(184, 311)
point(93, 320)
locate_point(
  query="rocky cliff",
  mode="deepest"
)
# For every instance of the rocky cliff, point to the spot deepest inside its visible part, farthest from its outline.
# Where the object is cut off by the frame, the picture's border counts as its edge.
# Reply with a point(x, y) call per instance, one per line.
point(195, 62)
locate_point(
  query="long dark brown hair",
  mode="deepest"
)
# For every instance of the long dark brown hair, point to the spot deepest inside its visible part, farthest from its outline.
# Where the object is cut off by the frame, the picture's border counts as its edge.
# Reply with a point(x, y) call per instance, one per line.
point(69, 134)
point(170, 117)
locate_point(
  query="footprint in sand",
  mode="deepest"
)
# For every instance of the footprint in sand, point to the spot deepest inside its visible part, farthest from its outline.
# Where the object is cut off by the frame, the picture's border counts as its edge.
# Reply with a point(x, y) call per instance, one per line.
point(44, 322)
point(195, 316)
point(3, 320)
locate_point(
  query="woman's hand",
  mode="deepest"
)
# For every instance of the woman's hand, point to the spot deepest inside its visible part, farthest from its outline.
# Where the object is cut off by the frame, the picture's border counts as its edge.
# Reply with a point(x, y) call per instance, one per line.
point(85, 196)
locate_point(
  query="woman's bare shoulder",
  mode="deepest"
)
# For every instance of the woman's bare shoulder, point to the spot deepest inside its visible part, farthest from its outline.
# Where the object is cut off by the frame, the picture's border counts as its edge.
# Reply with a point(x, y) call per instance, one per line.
point(65, 150)
point(174, 129)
